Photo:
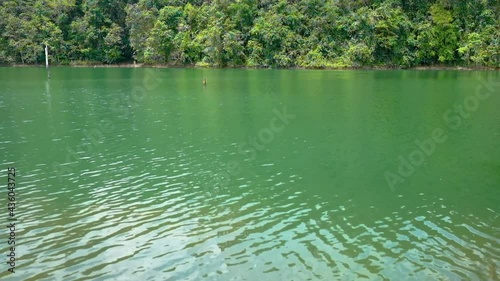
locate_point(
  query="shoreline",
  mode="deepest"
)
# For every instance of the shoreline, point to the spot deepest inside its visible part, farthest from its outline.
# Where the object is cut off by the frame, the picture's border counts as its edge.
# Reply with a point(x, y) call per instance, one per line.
point(142, 65)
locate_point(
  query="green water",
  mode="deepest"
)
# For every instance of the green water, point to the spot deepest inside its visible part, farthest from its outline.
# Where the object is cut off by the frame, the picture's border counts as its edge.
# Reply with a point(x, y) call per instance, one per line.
point(145, 174)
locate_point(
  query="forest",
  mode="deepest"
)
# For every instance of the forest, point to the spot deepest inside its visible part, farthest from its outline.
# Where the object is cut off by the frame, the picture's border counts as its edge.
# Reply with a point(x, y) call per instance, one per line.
point(251, 33)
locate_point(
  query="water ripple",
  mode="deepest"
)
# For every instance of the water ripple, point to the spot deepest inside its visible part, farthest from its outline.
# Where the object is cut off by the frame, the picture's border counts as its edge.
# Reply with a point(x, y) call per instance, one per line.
point(145, 204)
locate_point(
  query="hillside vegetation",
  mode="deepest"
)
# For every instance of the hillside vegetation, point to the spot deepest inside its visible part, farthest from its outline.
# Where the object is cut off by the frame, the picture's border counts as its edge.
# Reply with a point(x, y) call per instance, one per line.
point(266, 33)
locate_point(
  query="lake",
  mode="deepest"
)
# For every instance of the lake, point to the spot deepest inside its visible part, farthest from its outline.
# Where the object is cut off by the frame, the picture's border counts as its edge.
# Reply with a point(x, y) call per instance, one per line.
point(147, 174)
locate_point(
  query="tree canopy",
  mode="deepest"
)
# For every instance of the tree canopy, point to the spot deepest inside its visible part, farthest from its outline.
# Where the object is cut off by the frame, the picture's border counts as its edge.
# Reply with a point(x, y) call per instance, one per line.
point(255, 33)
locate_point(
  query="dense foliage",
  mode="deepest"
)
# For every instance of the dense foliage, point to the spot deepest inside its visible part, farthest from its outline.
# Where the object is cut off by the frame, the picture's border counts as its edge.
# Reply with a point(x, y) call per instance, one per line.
point(264, 33)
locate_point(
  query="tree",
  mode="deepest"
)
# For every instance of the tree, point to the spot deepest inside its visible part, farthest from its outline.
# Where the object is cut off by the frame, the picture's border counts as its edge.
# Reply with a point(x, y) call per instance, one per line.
point(438, 41)
point(140, 20)
point(113, 42)
point(160, 41)
point(393, 45)
point(261, 33)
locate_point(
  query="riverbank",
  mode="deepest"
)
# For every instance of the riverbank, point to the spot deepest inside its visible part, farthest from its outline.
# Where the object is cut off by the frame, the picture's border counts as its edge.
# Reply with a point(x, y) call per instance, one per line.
point(142, 65)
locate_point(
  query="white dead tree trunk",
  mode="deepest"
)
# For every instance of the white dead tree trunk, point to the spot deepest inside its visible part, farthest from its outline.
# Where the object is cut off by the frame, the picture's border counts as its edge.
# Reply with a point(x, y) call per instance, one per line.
point(47, 60)
point(46, 56)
